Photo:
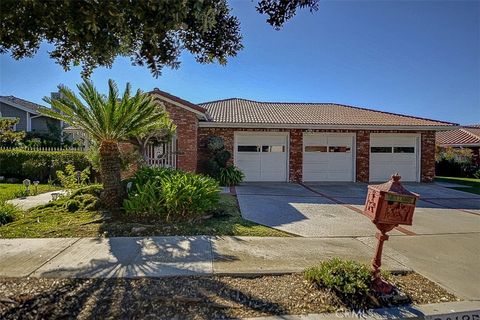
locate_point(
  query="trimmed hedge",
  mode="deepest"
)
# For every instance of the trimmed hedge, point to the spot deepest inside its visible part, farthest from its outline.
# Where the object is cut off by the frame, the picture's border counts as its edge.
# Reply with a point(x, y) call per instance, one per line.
point(39, 165)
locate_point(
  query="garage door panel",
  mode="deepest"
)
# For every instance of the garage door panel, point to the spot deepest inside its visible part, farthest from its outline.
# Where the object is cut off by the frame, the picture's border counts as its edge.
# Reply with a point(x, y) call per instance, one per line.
point(268, 163)
point(328, 157)
point(391, 154)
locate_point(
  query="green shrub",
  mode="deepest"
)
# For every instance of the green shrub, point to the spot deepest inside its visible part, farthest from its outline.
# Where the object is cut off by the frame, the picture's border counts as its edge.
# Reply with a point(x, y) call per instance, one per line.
point(218, 167)
point(189, 195)
point(72, 205)
point(85, 199)
point(8, 212)
point(146, 174)
point(145, 201)
point(72, 179)
point(171, 195)
point(39, 165)
point(222, 157)
point(230, 176)
point(215, 144)
point(93, 189)
point(349, 279)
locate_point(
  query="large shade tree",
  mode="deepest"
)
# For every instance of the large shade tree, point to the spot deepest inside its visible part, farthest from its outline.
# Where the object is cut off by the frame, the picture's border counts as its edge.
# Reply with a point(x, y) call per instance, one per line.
point(108, 119)
point(93, 33)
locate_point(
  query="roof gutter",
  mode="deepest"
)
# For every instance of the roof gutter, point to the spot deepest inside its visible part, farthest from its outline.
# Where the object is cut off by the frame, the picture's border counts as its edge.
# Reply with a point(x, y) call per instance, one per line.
point(322, 126)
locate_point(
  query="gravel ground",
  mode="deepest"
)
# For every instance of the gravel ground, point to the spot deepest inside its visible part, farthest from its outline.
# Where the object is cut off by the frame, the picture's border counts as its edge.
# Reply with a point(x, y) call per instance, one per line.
point(214, 297)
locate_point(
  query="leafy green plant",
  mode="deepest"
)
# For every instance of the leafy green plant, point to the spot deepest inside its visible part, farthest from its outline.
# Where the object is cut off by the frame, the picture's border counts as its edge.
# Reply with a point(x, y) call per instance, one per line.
point(454, 162)
point(187, 195)
point(72, 179)
point(93, 189)
point(154, 174)
point(144, 201)
point(21, 193)
point(72, 205)
point(230, 176)
point(218, 167)
point(8, 212)
point(171, 195)
point(476, 175)
point(349, 279)
point(9, 137)
point(82, 199)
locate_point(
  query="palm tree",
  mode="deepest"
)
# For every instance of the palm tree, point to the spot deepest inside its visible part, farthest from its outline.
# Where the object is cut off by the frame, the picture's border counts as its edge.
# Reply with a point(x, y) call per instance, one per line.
point(108, 120)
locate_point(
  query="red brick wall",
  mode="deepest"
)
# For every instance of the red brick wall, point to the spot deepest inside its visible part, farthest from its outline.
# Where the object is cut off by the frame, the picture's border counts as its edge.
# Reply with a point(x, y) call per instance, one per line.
point(204, 134)
point(427, 172)
point(296, 155)
point(363, 156)
point(187, 129)
point(296, 150)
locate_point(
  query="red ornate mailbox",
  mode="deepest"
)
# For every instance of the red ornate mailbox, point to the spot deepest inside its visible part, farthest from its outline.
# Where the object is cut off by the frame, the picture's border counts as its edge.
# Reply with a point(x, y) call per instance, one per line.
point(388, 205)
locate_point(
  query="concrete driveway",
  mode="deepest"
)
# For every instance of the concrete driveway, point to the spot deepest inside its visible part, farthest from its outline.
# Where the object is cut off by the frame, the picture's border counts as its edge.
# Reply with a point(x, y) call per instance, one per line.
point(335, 209)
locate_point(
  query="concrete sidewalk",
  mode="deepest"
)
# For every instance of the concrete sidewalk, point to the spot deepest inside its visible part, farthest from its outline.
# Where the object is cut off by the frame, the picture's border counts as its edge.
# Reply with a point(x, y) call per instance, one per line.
point(133, 257)
point(451, 260)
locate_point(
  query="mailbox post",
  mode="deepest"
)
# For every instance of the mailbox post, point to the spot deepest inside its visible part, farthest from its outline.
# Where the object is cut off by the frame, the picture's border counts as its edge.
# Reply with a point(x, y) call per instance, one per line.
point(388, 205)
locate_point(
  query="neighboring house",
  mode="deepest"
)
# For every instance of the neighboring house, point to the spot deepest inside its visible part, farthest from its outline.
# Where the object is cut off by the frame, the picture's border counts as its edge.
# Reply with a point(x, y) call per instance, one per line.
point(278, 141)
point(465, 137)
point(28, 114)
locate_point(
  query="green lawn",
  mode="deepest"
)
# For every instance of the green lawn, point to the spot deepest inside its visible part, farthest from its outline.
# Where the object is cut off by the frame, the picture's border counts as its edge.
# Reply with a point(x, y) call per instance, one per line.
point(55, 221)
point(472, 185)
point(13, 190)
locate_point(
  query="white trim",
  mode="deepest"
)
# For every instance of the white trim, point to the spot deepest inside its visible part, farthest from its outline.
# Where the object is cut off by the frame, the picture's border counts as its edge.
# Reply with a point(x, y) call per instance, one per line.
point(209, 124)
point(180, 105)
point(29, 122)
point(353, 135)
point(13, 104)
point(286, 134)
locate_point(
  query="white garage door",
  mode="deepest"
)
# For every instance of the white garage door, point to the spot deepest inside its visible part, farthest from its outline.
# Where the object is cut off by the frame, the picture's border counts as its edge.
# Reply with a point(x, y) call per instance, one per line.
point(261, 157)
point(390, 154)
point(328, 157)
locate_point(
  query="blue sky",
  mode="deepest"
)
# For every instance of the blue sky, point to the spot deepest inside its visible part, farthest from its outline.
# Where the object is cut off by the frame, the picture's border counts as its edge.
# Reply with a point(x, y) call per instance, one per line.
point(414, 57)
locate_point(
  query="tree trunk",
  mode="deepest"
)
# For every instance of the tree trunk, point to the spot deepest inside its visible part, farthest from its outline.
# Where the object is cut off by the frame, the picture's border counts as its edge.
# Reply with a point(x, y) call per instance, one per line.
point(111, 174)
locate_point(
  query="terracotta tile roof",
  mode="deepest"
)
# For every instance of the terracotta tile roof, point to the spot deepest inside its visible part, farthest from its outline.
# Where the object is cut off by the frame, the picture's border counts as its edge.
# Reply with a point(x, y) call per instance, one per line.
point(469, 135)
point(24, 103)
point(247, 111)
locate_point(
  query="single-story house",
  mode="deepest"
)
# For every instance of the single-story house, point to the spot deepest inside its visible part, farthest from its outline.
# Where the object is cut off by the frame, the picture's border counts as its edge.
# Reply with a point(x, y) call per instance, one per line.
point(27, 112)
point(465, 137)
point(281, 141)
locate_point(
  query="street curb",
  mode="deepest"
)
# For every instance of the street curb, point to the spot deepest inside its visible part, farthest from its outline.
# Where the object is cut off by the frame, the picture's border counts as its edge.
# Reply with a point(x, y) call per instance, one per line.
point(462, 310)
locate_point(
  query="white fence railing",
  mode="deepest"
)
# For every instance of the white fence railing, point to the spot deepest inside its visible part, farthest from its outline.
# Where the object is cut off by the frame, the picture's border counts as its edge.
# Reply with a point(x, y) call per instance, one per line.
point(162, 155)
point(43, 148)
